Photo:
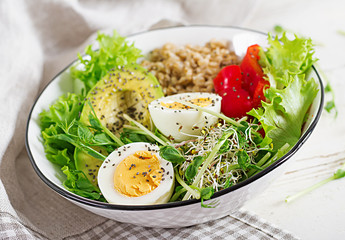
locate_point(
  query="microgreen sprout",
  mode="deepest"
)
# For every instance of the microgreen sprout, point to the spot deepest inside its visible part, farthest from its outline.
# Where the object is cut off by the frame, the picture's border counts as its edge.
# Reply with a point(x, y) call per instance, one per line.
point(341, 32)
point(212, 159)
point(148, 132)
point(330, 104)
point(190, 191)
point(219, 115)
point(340, 173)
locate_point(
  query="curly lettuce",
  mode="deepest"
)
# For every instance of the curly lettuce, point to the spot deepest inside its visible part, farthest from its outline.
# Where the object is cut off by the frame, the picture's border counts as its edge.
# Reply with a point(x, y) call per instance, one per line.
point(113, 51)
point(286, 63)
point(286, 57)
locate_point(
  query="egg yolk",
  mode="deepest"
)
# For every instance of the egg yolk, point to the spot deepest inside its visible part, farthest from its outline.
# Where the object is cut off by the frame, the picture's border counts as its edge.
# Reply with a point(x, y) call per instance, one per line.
point(138, 174)
point(201, 102)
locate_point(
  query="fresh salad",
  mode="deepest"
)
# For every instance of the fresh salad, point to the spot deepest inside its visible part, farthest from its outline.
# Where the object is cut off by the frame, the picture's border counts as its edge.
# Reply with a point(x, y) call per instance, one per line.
point(118, 139)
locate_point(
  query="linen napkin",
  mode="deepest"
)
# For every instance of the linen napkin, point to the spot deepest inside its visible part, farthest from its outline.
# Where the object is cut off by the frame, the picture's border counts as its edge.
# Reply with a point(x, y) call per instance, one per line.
point(38, 39)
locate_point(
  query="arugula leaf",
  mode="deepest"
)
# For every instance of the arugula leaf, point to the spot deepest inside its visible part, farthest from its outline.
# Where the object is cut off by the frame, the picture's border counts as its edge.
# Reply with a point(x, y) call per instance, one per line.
point(243, 159)
point(113, 51)
point(57, 151)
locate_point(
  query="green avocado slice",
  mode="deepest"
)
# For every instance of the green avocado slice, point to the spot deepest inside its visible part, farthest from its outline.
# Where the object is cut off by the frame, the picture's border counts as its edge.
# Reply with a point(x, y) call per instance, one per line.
point(88, 164)
point(123, 90)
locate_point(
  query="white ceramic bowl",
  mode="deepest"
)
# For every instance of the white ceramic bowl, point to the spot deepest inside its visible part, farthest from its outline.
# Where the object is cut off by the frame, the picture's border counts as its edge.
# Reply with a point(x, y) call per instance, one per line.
point(176, 214)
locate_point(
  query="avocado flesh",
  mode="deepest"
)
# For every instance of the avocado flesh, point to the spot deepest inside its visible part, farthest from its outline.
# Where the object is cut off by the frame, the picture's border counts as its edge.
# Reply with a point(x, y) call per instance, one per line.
point(88, 164)
point(123, 90)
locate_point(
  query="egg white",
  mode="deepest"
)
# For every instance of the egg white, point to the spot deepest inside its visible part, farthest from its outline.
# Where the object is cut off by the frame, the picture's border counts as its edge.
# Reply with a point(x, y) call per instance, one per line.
point(161, 194)
point(183, 124)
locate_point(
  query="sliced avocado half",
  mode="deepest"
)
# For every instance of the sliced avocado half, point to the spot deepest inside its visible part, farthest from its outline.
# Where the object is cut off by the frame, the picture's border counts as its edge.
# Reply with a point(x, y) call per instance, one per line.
point(123, 90)
point(88, 164)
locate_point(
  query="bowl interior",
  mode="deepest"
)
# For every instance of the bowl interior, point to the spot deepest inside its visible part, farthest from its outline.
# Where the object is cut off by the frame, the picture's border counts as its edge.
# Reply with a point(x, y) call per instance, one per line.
point(240, 39)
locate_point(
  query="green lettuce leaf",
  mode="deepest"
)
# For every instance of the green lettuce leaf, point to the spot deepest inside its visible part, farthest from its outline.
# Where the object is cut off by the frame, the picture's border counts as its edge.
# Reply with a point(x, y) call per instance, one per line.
point(66, 109)
point(283, 117)
point(286, 63)
point(286, 57)
point(113, 51)
point(79, 184)
point(63, 112)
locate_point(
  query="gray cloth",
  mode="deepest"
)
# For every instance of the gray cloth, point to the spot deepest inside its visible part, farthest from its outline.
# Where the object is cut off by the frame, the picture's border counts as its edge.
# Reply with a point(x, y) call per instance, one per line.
point(38, 39)
point(241, 225)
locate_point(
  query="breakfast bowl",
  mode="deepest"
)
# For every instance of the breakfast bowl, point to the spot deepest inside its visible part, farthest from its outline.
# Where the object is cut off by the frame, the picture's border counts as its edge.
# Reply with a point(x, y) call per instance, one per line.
point(178, 213)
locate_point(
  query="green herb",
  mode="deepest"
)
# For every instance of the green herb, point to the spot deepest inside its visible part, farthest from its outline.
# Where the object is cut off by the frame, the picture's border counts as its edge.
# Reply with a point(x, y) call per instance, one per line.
point(329, 92)
point(171, 154)
point(193, 168)
point(179, 190)
point(206, 194)
point(132, 134)
point(260, 163)
point(279, 29)
point(340, 173)
point(197, 193)
point(143, 128)
point(79, 141)
point(228, 183)
point(190, 189)
point(330, 105)
point(244, 161)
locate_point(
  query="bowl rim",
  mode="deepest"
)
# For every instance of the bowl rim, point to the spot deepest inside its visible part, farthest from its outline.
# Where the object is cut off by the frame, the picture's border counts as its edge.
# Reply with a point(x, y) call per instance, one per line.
point(97, 204)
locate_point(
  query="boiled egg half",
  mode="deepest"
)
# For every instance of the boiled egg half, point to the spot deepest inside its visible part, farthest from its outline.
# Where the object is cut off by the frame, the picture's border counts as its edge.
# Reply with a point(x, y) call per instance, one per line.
point(135, 174)
point(180, 122)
